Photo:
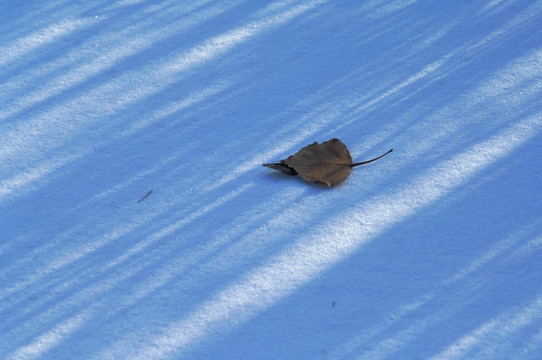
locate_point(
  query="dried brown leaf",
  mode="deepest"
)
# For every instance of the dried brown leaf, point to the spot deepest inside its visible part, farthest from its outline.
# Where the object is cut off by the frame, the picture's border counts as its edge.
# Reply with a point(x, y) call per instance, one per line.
point(329, 162)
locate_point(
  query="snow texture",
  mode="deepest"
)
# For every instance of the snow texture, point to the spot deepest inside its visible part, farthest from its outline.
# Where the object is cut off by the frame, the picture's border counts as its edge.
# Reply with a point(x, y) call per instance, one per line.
point(433, 252)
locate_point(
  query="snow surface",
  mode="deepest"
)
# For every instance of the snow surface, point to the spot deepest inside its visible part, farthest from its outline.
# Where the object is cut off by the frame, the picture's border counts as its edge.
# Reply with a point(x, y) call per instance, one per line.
point(433, 252)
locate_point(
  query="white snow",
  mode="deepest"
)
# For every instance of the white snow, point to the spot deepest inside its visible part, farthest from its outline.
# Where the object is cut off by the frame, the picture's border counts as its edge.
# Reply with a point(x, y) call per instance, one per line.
point(432, 252)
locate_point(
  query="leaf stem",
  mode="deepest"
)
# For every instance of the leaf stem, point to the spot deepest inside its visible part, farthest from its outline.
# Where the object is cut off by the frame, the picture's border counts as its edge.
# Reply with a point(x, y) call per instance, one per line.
point(368, 161)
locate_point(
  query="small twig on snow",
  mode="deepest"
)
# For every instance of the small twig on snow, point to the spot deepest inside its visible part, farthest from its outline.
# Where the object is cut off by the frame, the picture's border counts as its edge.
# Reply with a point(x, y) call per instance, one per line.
point(143, 198)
